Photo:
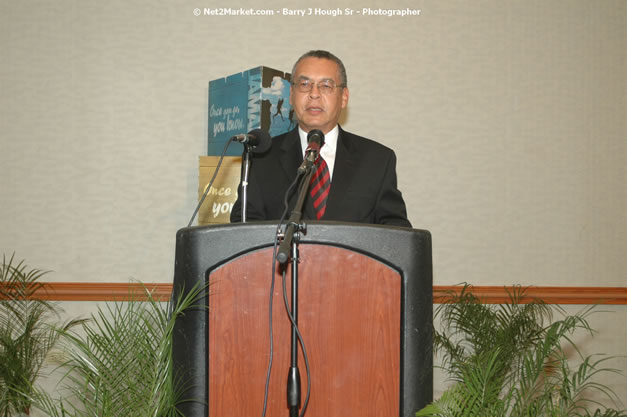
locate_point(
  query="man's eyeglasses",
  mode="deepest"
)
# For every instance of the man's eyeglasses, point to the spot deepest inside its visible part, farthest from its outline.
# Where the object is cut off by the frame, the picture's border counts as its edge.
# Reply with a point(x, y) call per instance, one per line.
point(325, 87)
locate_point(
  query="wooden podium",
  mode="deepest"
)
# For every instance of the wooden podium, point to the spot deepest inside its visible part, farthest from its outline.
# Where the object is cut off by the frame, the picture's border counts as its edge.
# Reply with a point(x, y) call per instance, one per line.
point(364, 310)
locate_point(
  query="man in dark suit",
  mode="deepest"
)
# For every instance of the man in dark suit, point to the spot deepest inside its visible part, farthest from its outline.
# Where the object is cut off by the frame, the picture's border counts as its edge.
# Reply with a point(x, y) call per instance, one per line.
point(361, 172)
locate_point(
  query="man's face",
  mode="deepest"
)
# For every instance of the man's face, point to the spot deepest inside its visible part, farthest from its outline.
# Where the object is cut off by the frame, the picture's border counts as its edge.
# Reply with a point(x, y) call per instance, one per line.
point(316, 109)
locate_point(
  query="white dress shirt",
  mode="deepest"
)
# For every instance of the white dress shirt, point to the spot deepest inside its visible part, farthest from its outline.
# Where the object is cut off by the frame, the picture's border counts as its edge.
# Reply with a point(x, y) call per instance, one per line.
point(327, 152)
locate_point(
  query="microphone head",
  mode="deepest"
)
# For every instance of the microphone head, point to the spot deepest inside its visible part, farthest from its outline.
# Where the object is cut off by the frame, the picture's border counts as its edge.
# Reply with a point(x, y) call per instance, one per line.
point(316, 136)
point(260, 140)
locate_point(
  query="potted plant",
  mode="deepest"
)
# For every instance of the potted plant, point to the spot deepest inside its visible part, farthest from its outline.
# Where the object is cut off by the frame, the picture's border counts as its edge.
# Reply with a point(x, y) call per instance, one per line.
point(511, 360)
point(28, 332)
point(120, 362)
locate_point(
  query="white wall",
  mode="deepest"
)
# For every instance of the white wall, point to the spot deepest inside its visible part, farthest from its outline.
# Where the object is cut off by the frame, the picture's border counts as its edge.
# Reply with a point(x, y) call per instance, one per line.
point(509, 120)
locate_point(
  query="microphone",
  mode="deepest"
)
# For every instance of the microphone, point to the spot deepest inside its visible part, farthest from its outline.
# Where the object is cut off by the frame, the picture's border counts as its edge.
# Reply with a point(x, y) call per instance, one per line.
point(259, 140)
point(315, 140)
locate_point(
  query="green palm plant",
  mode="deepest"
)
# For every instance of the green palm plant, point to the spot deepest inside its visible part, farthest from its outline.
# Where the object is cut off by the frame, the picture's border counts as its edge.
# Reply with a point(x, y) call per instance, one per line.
point(27, 334)
point(511, 360)
point(120, 364)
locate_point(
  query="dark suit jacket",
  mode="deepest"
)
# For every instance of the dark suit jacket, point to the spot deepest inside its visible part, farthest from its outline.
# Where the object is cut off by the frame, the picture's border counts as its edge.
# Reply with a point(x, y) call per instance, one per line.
point(363, 186)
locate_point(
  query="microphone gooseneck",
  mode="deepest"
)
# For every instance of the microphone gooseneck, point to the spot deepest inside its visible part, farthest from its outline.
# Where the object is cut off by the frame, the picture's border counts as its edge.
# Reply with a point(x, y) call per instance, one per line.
point(315, 140)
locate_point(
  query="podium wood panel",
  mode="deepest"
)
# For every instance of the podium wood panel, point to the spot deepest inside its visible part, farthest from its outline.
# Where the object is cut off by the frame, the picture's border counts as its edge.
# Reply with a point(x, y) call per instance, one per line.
point(350, 319)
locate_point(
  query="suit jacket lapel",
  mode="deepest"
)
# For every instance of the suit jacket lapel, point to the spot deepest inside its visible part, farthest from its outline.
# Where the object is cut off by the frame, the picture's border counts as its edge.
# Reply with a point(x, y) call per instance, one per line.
point(343, 173)
point(291, 155)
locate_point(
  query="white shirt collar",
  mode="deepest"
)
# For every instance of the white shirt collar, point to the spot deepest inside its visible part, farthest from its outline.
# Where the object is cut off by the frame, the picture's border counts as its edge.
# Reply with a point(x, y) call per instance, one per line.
point(329, 148)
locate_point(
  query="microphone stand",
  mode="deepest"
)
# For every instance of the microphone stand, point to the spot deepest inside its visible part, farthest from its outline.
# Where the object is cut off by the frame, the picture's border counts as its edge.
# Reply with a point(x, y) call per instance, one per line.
point(245, 175)
point(290, 241)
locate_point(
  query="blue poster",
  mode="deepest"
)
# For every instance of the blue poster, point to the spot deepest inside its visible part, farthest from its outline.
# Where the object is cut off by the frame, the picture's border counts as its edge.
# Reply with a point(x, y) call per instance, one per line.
point(253, 99)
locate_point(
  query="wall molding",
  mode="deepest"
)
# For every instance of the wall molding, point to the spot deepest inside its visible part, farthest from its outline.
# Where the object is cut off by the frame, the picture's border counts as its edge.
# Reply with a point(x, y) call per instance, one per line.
point(550, 295)
point(102, 291)
point(117, 291)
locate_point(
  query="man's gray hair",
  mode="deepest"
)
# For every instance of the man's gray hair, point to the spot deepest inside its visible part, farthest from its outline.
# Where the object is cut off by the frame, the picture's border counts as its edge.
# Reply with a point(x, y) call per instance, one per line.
point(325, 55)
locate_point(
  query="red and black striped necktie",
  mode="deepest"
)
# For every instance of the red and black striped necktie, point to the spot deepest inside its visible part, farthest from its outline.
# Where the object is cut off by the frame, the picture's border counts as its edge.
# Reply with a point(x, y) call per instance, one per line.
point(319, 187)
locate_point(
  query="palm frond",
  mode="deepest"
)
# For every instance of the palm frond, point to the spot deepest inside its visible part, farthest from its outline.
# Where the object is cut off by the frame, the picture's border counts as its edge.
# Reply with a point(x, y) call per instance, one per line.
point(511, 360)
point(121, 361)
point(27, 333)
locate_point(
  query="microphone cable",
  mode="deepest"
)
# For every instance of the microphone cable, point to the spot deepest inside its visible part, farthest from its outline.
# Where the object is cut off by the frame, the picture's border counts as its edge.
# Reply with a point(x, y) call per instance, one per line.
point(226, 146)
point(302, 345)
point(215, 173)
point(270, 303)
